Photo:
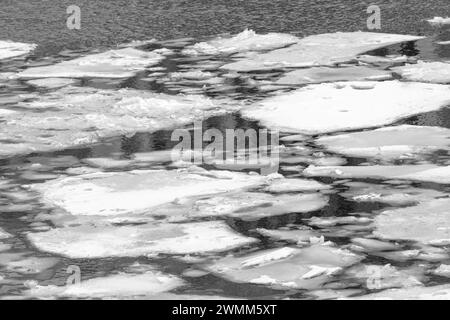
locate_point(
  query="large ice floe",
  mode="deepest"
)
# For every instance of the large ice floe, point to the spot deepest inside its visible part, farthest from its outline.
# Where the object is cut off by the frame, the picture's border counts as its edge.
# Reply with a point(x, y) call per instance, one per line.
point(425, 173)
point(74, 116)
point(121, 63)
point(247, 40)
point(326, 74)
point(286, 267)
point(347, 105)
point(90, 241)
point(9, 49)
point(395, 142)
point(428, 223)
point(148, 285)
point(319, 50)
point(433, 72)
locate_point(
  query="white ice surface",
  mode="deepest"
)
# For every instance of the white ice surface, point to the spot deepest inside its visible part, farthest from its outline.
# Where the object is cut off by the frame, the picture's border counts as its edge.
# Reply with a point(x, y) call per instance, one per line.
point(433, 72)
point(9, 49)
point(347, 105)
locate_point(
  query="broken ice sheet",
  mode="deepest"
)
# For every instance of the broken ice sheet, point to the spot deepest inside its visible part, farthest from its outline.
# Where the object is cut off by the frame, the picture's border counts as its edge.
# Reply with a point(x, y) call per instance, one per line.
point(320, 50)
point(121, 63)
point(425, 173)
point(148, 285)
point(433, 72)
point(9, 49)
point(306, 268)
point(389, 143)
point(325, 74)
point(90, 241)
point(74, 116)
point(337, 106)
point(426, 223)
point(247, 40)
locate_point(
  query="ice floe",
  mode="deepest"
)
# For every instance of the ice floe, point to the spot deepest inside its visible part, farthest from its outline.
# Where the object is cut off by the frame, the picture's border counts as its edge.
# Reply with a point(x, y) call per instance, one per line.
point(439, 21)
point(9, 49)
point(295, 185)
point(427, 223)
point(137, 191)
point(301, 236)
point(121, 63)
point(52, 83)
point(443, 271)
point(441, 292)
point(427, 173)
point(344, 105)
point(320, 50)
point(325, 74)
point(433, 72)
point(148, 285)
point(306, 268)
point(4, 234)
point(247, 40)
point(388, 143)
point(87, 241)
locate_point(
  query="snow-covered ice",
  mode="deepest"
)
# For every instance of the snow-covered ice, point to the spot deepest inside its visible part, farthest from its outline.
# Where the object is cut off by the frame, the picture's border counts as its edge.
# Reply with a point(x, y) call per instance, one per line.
point(326, 74)
point(439, 21)
point(305, 268)
point(9, 49)
point(121, 63)
point(427, 173)
point(90, 241)
point(345, 105)
point(432, 72)
point(247, 40)
point(427, 223)
point(388, 143)
point(320, 50)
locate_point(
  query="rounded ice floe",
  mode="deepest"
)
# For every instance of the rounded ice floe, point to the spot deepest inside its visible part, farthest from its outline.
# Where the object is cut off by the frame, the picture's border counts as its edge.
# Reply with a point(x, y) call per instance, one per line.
point(339, 106)
point(439, 21)
point(320, 50)
point(306, 268)
point(295, 185)
point(325, 74)
point(432, 72)
point(427, 173)
point(149, 285)
point(90, 241)
point(426, 223)
point(121, 63)
point(247, 40)
point(389, 143)
point(9, 49)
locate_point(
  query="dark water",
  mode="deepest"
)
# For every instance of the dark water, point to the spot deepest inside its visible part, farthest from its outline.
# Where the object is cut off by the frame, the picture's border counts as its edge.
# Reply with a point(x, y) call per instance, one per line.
point(110, 22)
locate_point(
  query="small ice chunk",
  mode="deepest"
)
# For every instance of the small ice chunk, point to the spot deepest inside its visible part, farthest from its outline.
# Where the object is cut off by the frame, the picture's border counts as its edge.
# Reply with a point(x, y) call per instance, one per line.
point(121, 63)
point(52, 83)
point(333, 107)
point(302, 235)
point(389, 143)
point(4, 234)
point(295, 185)
point(432, 72)
point(375, 245)
point(443, 271)
point(9, 49)
point(333, 221)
